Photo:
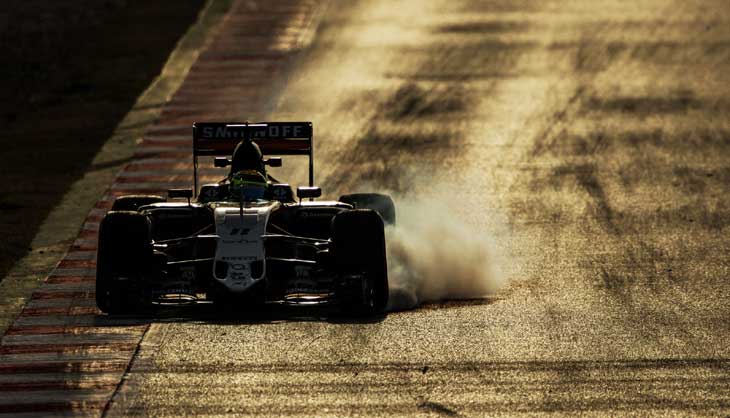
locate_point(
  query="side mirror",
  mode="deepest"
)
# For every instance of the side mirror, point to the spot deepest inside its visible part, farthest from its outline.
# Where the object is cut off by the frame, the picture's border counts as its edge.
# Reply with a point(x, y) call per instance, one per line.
point(221, 162)
point(273, 162)
point(281, 192)
point(308, 192)
point(180, 193)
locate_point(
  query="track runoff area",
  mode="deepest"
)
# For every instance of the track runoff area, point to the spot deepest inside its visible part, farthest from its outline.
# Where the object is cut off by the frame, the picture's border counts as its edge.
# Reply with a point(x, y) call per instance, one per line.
point(61, 356)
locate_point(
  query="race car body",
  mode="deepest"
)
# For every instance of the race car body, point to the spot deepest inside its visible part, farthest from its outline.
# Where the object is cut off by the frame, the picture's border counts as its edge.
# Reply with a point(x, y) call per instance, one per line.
point(245, 241)
point(240, 245)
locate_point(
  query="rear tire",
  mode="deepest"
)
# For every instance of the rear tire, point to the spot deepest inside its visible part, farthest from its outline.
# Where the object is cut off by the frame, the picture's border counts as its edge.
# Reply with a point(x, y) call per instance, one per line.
point(134, 202)
point(381, 203)
point(358, 247)
point(124, 258)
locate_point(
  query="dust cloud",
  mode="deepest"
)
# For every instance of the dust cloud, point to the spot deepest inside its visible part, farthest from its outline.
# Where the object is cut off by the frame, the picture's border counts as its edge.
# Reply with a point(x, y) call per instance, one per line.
point(390, 108)
point(433, 255)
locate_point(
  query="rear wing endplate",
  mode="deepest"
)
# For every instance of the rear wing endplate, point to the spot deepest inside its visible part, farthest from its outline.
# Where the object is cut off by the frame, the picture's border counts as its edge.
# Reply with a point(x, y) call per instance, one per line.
point(273, 138)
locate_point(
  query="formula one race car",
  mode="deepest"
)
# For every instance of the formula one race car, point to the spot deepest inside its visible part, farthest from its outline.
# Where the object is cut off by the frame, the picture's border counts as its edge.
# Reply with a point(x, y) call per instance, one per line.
point(245, 241)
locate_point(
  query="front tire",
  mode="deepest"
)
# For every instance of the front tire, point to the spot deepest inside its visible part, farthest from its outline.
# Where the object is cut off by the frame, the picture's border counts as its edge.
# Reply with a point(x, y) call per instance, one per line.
point(134, 202)
point(124, 258)
point(358, 248)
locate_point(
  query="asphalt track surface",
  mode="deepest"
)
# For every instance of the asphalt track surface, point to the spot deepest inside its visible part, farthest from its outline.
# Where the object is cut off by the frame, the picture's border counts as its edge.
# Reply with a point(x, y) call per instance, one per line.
point(589, 141)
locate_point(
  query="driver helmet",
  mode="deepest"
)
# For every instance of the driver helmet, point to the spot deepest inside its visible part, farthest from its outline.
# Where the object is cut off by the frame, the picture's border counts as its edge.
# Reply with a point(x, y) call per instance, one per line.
point(249, 185)
point(247, 156)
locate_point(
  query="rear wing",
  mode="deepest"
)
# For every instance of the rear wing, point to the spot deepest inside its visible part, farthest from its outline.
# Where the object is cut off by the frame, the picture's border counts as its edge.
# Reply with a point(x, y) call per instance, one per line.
point(273, 138)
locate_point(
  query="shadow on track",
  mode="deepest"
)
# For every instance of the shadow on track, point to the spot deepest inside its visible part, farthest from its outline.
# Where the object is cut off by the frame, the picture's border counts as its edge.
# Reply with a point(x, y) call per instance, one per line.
point(209, 313)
